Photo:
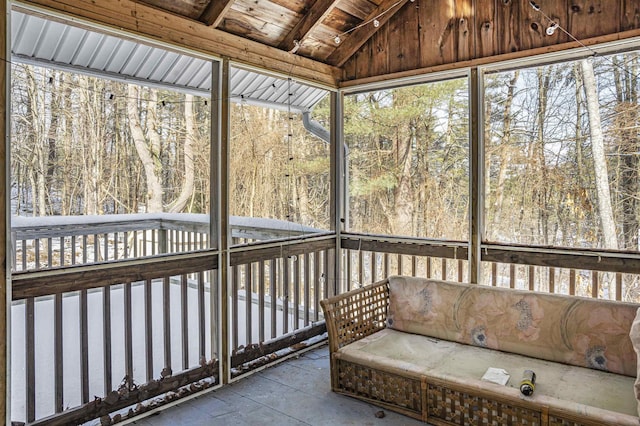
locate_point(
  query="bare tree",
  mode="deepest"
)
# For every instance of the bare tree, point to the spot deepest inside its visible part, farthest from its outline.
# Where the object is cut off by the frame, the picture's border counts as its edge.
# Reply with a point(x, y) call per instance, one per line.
point(599, 160)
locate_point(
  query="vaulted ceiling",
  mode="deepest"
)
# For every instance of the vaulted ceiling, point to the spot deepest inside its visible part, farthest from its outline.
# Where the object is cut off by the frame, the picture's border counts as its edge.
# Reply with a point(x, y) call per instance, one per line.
point(343, 42)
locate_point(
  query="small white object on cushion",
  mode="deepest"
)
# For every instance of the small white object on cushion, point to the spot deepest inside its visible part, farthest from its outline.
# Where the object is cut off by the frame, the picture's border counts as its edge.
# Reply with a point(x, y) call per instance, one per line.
point(634, 334)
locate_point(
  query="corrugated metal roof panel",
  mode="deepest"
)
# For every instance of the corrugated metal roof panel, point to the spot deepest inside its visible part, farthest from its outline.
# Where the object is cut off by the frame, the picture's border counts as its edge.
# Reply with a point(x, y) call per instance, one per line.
point(55, 44)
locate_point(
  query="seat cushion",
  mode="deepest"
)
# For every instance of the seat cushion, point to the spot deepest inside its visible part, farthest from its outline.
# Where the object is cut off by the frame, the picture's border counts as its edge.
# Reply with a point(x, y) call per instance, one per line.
point(599, 394)
point(572, 330)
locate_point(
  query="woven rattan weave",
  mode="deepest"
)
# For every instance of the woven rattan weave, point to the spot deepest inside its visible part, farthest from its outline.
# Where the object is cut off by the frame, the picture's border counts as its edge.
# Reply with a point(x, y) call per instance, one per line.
point(362, 312)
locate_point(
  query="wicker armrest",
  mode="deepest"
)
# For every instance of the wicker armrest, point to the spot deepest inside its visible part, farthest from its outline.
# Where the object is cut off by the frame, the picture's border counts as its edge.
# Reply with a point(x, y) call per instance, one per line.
point(356, 314)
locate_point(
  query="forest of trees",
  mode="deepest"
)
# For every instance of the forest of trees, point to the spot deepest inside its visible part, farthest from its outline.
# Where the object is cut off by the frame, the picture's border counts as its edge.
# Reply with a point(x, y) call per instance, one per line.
point(561, 148)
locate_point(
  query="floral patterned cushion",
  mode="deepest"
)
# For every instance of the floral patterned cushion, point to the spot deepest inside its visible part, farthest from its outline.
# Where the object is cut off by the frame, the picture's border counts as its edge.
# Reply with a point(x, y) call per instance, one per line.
point(572, 330)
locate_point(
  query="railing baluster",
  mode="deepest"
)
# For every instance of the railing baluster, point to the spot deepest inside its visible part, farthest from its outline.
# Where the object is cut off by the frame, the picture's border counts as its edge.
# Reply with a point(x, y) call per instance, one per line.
point(50, 252)
point(84, 248)
point(552, 280)
point(494, 274)
point(307, 286)
point(443, 271)
point(58, 376)
point(148, 327)
point(349, 264)
point(37, 252)
point(73, 250)
point(84, 346)
point(96, 247)
point(400, 270)
point(296, 292)
point(372, 258)
point(234, 307)
point(460, 270)
point(428, 268)
point(128, 333)
point(619, 286)
point(272, 292)
point(325, 274)
point(201, 317)
point(61, 251)
point(360, 268)
point(512, 275)
point(595, 284)
point(116, 244)
point(184, 308)
point(316, 285)
point(248, 278)
point(166, 316)
point(286, 281)
point(106, 246)
point(572, 282)
point(24, 255)
point(532, 277)
point(125, 244)
point(30, 351)
point(106, 326)
point(261, 274)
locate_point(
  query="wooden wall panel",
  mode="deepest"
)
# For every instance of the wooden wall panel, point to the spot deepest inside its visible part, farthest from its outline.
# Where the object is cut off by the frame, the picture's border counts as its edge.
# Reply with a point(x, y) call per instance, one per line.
point(486, 38)
point(594, 17)
point(533, 30)
point(630, 15)
point(453, 33)
point(404, 42)
point(437, 39)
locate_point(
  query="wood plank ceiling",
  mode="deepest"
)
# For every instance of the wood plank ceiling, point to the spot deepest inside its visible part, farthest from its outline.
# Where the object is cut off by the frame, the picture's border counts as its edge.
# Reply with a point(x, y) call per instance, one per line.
point(409, 37)
point(305, 27)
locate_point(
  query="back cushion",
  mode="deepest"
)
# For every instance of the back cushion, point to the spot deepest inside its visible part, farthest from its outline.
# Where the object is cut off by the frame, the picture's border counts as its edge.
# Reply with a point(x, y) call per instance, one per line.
point(572, 330)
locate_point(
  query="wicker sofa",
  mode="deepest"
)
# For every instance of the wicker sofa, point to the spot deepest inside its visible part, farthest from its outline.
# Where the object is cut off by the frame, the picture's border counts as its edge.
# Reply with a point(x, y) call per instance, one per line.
point(421, 346)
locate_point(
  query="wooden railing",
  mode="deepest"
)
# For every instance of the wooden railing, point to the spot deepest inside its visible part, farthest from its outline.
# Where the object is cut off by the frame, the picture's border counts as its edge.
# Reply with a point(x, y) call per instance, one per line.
point(133, 329)
point(367, 259)
point(93, 335)
point(59, 241)
point(275, 293)
point(586, 273)
point(127, 331)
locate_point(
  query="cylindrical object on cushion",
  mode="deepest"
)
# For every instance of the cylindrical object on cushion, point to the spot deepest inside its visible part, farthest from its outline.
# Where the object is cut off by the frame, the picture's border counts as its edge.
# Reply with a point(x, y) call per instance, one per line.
point(528, 382)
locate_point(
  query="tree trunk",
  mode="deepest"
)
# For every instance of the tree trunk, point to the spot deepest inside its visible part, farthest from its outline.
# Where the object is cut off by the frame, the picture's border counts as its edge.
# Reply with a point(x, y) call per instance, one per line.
point(148, 152)
point(186, 191)
point(599, 160)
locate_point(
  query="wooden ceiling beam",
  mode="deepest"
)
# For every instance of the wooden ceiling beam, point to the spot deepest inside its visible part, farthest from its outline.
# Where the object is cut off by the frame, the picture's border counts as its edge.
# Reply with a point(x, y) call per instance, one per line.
point(214, 13)
point(155, 24)
point(359, 36)
point(313, 18)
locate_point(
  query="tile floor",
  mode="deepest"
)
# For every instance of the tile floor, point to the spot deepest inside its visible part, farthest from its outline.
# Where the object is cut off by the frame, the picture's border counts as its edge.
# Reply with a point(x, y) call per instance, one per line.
point(295, 392)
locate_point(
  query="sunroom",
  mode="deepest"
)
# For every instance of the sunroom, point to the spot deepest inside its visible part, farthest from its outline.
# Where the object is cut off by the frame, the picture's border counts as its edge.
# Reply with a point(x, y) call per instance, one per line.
point(187, 180)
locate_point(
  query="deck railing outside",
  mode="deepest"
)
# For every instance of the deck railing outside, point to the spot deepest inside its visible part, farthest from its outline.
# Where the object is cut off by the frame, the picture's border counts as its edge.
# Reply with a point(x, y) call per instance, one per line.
point(136, 317)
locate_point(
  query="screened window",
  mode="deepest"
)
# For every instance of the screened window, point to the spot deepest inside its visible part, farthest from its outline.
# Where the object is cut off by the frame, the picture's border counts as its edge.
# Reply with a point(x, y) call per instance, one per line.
point(561, 151)
point(407, 159)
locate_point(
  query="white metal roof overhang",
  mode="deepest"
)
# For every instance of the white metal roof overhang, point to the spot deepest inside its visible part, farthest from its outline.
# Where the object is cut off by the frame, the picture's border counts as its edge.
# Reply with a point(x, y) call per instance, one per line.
point(51, 43)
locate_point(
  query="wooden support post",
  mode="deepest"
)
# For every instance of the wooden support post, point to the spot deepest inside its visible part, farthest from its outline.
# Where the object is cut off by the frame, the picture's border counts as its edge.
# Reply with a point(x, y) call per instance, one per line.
point(337, 171)
point(223, 147)
point(475, 177)
point(5, 293)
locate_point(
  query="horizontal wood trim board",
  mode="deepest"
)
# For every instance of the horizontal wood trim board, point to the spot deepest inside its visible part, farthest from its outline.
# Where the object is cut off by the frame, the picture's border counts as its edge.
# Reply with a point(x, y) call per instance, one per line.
point(125, 397)
point(477, 62)
point(593, 262)
point(84, 277)
point(158, 25)
point(275, 252)
point(253, 352)
point(412, 249)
